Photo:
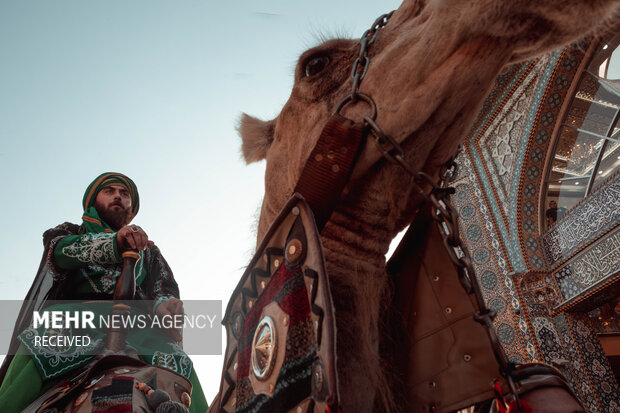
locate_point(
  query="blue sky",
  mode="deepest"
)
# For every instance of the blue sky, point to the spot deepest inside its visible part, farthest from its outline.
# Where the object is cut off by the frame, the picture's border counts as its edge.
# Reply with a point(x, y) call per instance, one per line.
point(152, 89)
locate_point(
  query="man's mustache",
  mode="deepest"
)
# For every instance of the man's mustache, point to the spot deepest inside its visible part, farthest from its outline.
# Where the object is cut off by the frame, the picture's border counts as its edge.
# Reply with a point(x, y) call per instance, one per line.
point(116, 203)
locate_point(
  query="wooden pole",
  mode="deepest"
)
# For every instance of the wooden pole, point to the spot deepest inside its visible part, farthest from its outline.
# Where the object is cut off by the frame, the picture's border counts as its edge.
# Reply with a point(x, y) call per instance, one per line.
point(124, 291)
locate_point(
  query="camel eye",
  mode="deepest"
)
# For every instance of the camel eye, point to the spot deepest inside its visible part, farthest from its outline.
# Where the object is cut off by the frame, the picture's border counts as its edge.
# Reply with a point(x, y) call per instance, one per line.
point(315, 65)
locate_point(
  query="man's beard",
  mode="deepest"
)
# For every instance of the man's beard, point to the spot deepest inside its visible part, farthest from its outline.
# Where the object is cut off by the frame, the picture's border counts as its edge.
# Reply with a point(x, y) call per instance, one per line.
point(116, 219)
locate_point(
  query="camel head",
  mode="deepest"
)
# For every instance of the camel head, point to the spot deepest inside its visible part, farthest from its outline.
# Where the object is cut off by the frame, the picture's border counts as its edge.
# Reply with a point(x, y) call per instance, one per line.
point(430, 69)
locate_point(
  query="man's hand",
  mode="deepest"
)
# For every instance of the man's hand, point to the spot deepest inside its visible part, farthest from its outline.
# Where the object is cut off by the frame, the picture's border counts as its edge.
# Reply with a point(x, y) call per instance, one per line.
point(172, 307)
point(132, 237)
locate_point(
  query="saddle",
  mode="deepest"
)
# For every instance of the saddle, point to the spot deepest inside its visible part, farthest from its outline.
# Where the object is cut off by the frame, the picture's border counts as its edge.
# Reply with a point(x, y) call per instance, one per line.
point(111, 383)
point(118, 381)
point(447, 359)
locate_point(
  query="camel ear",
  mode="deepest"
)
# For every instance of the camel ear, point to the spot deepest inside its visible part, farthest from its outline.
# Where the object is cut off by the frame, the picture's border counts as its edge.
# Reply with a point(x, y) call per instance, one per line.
point(256, 137)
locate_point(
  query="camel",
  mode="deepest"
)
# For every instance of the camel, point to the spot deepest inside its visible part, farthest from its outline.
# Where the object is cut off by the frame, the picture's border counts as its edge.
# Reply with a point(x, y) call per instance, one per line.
point(430, 69)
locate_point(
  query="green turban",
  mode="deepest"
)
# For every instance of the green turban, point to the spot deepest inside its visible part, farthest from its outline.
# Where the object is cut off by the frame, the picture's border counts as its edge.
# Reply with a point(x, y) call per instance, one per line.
point(107, 179)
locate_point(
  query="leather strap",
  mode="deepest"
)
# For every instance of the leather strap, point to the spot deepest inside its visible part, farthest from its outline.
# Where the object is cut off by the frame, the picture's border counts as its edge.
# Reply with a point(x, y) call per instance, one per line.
point(329, 166)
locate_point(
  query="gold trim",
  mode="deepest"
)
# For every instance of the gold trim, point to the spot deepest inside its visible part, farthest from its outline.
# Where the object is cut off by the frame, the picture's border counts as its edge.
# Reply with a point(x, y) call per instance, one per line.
point(90, 219)
point(131, 254)
point(94, 188)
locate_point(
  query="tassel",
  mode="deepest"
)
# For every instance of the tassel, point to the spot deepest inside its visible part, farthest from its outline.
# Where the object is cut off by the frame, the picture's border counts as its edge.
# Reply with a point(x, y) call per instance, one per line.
point(499, 397)
point(525, 408)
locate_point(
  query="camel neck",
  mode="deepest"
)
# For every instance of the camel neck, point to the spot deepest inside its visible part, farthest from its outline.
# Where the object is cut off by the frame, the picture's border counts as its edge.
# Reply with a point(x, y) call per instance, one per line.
point(346, 238)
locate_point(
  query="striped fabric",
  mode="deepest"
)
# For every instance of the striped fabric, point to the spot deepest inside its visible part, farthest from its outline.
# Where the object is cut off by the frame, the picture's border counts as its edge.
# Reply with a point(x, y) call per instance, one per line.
point(107, 179)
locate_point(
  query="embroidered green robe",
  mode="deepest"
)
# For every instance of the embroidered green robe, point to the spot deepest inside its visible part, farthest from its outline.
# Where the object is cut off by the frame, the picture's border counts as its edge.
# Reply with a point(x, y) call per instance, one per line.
point(86, 266)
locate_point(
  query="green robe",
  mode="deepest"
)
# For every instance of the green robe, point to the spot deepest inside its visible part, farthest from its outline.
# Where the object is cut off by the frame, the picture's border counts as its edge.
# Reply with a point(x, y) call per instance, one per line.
point(85, 266)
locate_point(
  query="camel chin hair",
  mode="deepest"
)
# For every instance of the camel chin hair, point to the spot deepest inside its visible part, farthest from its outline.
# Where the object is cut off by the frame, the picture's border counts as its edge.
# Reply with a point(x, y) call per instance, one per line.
point(256, 136)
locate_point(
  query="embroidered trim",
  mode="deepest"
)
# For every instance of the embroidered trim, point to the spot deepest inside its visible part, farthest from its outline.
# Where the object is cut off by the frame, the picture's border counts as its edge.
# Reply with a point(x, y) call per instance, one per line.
point(101, 280)
point(56, 274)
point(164, 276)
point(93, 249)
point(54, 363)
point(138, 271)
point(176, 361)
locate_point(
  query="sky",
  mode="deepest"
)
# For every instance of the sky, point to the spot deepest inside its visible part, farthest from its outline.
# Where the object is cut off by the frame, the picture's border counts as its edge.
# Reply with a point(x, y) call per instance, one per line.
point(153, 89)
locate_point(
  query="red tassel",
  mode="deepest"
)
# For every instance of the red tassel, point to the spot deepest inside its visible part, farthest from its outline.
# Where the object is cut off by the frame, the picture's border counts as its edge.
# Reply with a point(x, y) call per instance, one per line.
point(525, 408)
point(499, 397)
point(511, 407)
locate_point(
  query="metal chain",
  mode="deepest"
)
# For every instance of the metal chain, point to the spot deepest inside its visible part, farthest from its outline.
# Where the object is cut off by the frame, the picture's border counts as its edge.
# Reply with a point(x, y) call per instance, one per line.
point(360, 65)
point(446, 216)
point(444, 212)
point(449, 229)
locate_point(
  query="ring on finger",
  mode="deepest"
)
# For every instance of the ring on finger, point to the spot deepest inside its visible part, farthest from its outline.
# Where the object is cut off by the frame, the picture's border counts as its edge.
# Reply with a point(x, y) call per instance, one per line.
point(135, 228)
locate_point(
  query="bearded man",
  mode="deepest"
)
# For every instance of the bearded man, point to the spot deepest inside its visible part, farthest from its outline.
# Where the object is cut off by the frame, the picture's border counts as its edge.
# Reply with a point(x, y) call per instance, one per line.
point(83, 262)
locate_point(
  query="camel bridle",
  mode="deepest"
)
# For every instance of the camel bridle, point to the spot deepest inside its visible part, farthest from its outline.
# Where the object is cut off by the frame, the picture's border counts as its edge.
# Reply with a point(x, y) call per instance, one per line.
point(330, 165)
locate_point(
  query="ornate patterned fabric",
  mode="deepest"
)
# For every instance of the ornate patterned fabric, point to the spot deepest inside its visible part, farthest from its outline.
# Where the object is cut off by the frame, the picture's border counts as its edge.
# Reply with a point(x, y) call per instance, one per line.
point(286, 288)
point(96, 266)
point(280, 352)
